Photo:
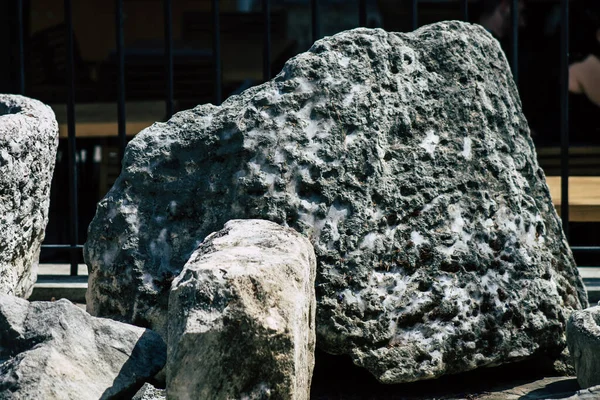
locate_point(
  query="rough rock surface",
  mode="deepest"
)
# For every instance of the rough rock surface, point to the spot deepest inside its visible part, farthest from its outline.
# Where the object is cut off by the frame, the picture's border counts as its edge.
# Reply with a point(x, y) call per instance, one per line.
point(28, 143)
point(55, 350)
point(591, 393)
point(407, 161)
point(583, 338)
point(241, 316)
point(149, 392)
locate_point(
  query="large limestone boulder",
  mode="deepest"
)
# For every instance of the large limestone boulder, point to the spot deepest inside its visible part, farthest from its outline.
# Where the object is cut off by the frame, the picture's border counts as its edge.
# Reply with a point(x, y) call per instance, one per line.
point(28, 143)
point(55, 350)
point(406, 160)
point(241, 316)
point(583, 338)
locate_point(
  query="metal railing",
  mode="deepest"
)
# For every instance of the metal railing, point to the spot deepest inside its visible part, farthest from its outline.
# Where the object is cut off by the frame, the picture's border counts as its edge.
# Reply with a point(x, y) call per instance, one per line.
point(75, 248)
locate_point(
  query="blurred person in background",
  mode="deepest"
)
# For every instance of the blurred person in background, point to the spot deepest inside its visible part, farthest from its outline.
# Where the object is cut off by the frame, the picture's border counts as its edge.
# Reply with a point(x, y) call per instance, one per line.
point(584, 75)
point(495, 17)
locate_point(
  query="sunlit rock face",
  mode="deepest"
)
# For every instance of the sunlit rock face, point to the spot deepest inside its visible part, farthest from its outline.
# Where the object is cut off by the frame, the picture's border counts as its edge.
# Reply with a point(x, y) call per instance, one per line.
point(28, 143)
point(55, 350)
point(241, 316)
point(406, 160)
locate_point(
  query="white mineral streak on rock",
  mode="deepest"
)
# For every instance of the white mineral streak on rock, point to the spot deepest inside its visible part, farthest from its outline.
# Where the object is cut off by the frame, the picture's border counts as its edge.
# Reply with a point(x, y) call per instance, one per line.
point(466, 153)
point(350, 96)
point(455, 214)
point(417, 238)
point(344, 62)
point(430, 142)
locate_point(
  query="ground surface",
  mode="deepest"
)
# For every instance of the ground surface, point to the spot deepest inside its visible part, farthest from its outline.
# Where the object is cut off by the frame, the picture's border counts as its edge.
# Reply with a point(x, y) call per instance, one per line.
point(336, 378)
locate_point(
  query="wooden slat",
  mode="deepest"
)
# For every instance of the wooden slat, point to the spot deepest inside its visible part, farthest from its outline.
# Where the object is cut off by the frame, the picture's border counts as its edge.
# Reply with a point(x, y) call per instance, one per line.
point(99, 120)
point(583, 160)
point(584, 197)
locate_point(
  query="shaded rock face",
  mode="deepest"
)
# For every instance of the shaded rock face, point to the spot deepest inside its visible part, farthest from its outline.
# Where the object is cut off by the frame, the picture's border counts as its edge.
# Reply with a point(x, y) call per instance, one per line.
point(241, 316)
point(406, 160)
point(28, 143)
point(55, 350)
point(583, 339)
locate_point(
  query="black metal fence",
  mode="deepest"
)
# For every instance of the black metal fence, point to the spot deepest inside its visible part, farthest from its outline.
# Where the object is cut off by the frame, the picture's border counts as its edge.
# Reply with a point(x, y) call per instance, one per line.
point(75, 248)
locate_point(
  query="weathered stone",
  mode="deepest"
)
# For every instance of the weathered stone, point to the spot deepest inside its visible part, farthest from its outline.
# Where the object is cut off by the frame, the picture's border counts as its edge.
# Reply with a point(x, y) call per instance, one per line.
point(591, 393)
point(407, 161)
point(149, 392)
point(241, 316)
point(583, 338)
point(55, 350)
point(28, 143)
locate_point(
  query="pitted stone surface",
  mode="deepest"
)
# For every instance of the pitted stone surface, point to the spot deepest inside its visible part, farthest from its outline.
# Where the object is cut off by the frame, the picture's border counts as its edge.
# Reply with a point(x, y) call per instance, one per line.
point(407, 161)
point(28, 143)
point(241, 316)
point(149, 392)
point(55, 350)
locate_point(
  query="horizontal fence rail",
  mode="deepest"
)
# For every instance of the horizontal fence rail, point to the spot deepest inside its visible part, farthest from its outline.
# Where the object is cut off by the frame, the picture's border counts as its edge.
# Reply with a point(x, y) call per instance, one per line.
point(74, 248)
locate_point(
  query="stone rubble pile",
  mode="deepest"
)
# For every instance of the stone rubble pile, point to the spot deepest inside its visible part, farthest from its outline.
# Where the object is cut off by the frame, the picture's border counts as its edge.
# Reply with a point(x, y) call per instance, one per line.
point(380, 198)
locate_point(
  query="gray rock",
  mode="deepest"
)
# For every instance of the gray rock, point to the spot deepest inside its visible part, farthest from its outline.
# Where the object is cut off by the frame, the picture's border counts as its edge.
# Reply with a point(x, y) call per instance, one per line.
point(55, 350)
point(241, 316)
point(28, 143)
point(149, 392)
point(591, 393)
point(407, 161)
point(583, 338)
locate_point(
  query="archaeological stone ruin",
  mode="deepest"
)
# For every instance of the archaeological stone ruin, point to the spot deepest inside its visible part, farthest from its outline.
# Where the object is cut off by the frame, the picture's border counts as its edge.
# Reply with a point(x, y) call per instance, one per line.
point(378, 201)
point(406, 161)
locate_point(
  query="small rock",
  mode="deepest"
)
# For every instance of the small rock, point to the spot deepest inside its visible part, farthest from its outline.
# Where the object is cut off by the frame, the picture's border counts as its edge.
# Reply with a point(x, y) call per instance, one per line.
point(149, 392)
point(583, 339)
point(55, 350)
point(241, 316)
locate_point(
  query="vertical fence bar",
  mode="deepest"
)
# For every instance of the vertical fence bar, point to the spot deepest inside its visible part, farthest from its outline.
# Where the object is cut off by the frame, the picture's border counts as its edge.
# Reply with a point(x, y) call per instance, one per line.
point(120, 78)
point(362, 13)
point(21, 47)
point(314, 11)
point(414, 11)
point(464, 7)
point(216, 17)
point(514, 47)
point(266, 8)
point(564, 115)
point(168, 17)
point(72, 145)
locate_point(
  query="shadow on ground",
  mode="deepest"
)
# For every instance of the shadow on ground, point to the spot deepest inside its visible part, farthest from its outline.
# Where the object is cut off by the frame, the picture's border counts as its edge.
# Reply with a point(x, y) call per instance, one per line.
point(335, 377)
